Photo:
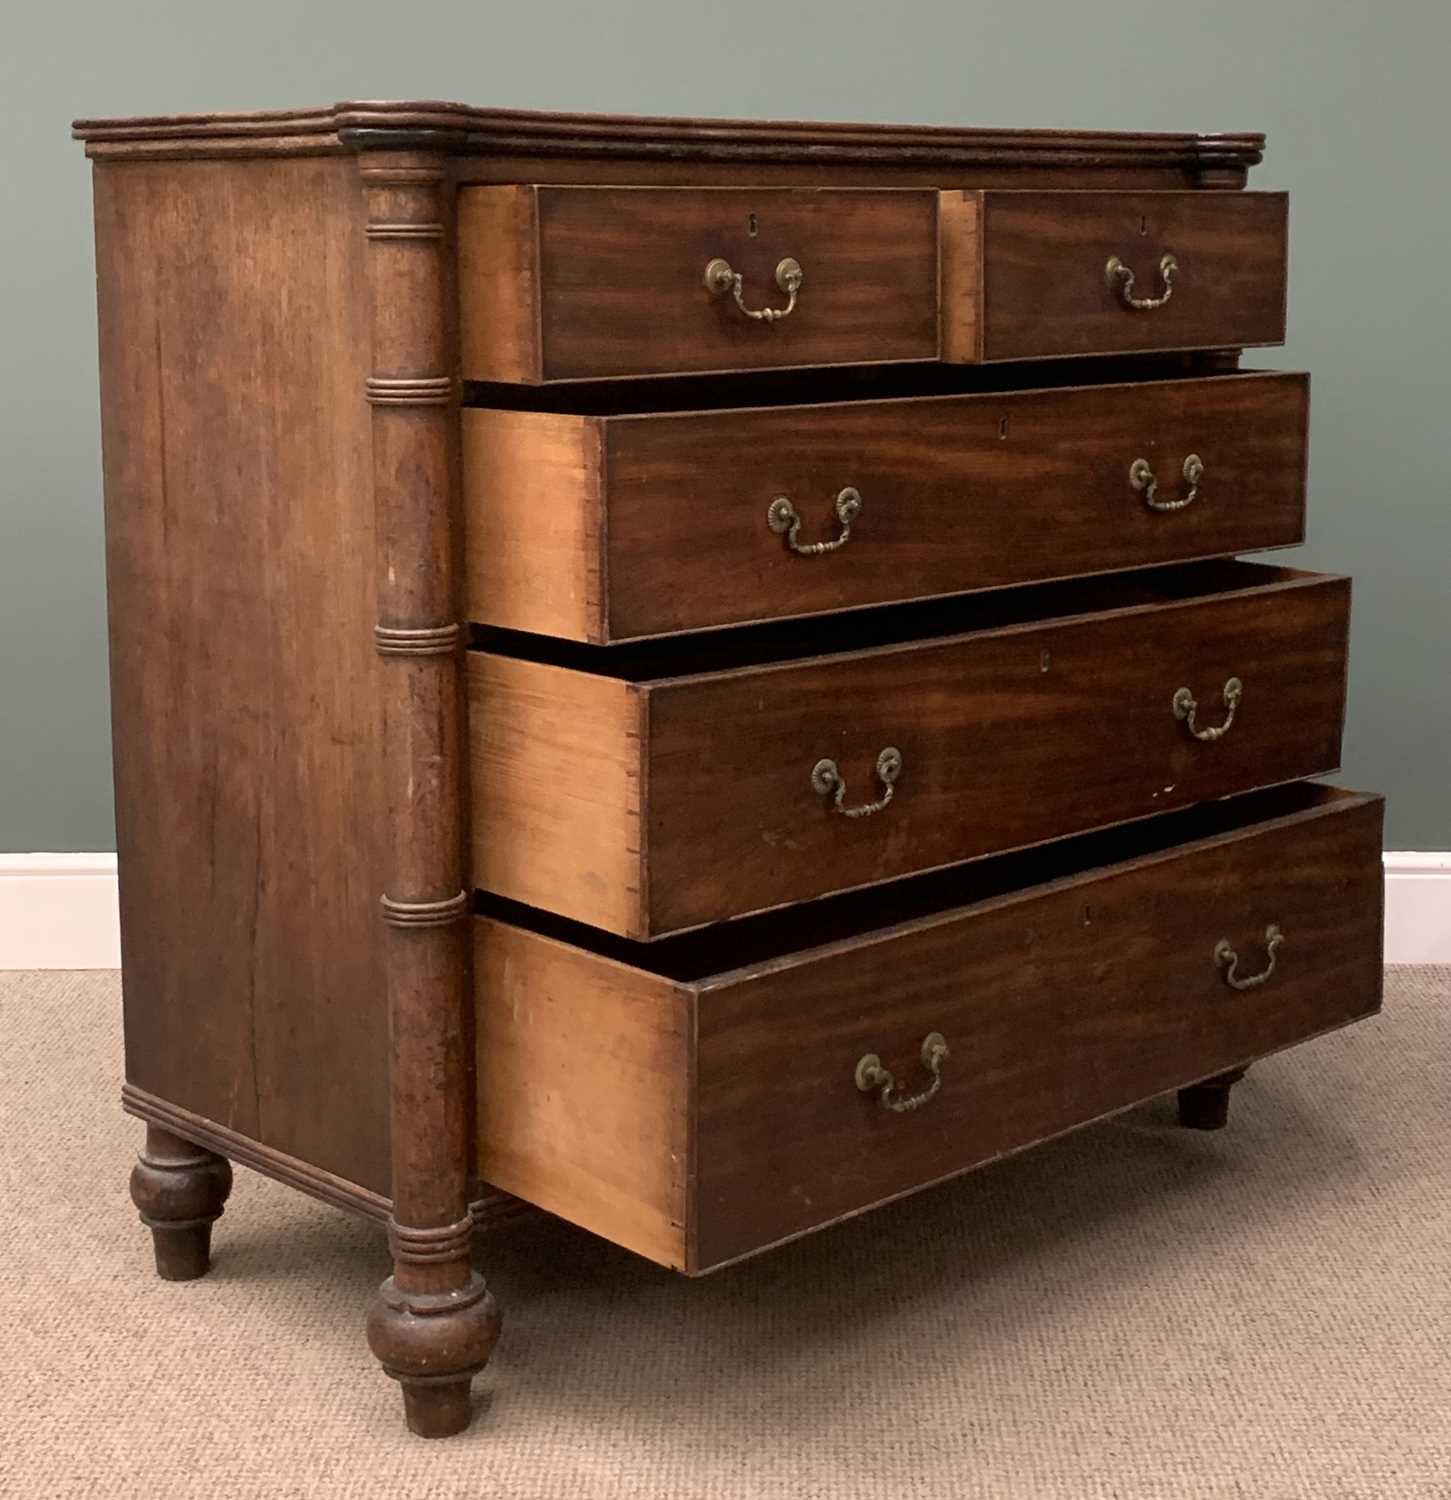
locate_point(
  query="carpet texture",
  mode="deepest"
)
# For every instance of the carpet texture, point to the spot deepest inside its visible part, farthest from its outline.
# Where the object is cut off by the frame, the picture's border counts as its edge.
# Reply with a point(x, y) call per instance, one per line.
point(1131, 1311)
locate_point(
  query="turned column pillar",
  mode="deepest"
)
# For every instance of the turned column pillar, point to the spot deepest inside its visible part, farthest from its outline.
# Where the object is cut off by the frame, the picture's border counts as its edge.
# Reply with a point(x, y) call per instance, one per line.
point(434, 1321)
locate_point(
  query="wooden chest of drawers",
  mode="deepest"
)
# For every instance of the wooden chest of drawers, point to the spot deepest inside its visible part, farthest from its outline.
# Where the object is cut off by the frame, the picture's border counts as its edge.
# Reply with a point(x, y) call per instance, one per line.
point(695, 675)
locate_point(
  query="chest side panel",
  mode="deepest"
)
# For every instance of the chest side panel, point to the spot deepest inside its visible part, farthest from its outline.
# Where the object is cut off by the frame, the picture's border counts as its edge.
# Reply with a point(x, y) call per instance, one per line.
point(239, 543)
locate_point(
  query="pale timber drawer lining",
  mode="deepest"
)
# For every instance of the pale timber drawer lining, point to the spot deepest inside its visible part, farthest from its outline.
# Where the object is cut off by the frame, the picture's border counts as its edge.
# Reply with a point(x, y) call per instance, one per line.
point(784, 932)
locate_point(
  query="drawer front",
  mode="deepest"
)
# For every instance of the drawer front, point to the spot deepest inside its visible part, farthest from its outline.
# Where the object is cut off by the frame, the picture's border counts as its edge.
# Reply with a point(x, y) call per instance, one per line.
point(1059, 273)
point(571, 283)
point(1003, 740)
point(625, 527)
point(1056, 1008)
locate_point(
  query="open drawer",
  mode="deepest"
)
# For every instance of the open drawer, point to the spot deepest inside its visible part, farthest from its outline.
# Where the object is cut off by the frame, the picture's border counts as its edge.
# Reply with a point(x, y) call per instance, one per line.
point(618, 519)
point(704, 1097)
point(647, 789)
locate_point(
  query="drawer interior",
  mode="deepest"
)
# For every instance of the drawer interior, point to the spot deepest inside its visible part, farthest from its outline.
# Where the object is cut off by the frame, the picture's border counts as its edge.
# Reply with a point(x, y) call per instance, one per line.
point(699, 955)
point(645, 395)
point(875, 628)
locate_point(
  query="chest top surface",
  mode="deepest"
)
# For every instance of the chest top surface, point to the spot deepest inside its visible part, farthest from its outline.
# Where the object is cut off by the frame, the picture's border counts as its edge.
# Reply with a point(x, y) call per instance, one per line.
point(465, 130)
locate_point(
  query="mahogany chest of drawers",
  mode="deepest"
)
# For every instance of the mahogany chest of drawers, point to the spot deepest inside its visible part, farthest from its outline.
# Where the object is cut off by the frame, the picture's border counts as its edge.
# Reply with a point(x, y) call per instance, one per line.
point(696, 675)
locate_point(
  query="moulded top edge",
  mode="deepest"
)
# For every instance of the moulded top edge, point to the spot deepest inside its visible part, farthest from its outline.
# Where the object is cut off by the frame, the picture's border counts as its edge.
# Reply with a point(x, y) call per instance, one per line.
point(459, 127)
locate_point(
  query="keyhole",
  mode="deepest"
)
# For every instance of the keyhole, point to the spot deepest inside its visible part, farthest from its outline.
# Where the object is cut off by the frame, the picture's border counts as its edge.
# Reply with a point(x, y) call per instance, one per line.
point(1003, 428)
point(1143, 226)
point(752, 228)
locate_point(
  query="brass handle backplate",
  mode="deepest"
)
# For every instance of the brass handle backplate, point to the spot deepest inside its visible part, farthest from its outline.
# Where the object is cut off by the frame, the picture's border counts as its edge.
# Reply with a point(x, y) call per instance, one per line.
point(720, 279)
point(1185, 708)
point(826, 779)
point(1142, 478)
point(1121, 279)
point(1227, 959)
point(783, 519)
point(873, 1078)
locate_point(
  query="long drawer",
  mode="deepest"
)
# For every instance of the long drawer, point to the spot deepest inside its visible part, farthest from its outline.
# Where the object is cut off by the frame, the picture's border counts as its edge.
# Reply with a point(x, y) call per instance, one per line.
point(790, 761)
point(704, 1097)
point(565, 282)
point(604, 528)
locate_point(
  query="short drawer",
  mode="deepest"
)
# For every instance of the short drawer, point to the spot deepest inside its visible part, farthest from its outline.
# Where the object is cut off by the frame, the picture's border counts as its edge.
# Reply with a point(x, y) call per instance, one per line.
point(573, 283)
point(607, 527)
point(654, 788)
point(697, 1099)
point(560, 283)
point(1027, 274)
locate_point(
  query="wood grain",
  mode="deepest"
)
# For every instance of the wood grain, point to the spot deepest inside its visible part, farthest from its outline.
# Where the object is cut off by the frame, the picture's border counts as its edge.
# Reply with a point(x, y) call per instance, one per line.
point(1007, 737)
point(1105, 944)
point(556, 761)
point(960, 252)
point(534, 522)
point(244, 707)
point(498, 259)
point(959, 493)
point(1044, 254)
point(584, 1072)
point(619, 144)
point(1116, 967)
point(1055, 720)
point(619, 280)
point(433, 1322)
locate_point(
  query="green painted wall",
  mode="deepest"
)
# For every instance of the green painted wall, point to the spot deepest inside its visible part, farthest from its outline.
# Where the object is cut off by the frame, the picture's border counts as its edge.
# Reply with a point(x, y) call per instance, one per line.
point(1353, 98)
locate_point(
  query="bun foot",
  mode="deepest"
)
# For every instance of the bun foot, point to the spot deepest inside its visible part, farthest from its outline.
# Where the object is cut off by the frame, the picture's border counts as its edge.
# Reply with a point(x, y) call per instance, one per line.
point(179, 1190)
point(438, 1408)
point(433, 1344)
point(1205, 1106)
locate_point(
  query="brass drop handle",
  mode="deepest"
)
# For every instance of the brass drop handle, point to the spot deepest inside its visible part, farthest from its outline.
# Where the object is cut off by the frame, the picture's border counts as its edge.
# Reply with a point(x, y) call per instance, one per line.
point(720, 279)
point(1120, 277)
point(1227, 959)
point(783, 519)
point(873, 1078)
point(1185, 708)
point(826, 779)
point(1142, 478)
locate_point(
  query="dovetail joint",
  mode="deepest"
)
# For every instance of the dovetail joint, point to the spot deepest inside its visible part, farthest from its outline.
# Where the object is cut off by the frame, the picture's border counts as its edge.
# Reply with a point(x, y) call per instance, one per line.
point(438, 640)
point(425, 913)
point(433, 390)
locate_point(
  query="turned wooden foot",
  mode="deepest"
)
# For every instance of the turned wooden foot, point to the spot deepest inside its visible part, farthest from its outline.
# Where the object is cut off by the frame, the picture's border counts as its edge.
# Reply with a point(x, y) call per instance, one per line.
point(179, 1189)
point(432, 1326)
point(1205, 1106)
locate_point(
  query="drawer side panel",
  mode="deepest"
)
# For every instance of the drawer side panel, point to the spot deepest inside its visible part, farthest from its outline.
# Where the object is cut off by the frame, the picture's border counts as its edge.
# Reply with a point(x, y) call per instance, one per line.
point(498, 269)
point(534, 550)
point(555, 789)
point(583, 1076)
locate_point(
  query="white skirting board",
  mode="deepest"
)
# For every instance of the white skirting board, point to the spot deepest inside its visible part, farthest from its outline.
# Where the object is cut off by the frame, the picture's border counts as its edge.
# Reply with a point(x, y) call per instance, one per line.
point(58, 911)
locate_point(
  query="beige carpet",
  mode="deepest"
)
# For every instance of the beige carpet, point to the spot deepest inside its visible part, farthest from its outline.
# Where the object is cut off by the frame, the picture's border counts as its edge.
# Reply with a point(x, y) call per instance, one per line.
point(1132, 1311)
